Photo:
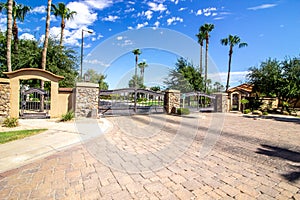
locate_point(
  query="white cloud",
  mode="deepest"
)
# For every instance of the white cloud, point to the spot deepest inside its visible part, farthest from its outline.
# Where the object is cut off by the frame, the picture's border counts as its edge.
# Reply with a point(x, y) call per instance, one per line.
point(263, 6)
point(148, 14)
point(130, 28)
point(110, 18)
point(129, 10)
point(84, 17)
point(199, 12)
point(219, 18)
point(236, 78)
point(157, 7)
point(182, 9)
point(98, 4)
point(156, 24)
point(173, 20)
point(27, 36)
point(39, 10)
point(120, 38)
point(175, 1)
point(96, 62)
point(52, 18)
point(142, 25)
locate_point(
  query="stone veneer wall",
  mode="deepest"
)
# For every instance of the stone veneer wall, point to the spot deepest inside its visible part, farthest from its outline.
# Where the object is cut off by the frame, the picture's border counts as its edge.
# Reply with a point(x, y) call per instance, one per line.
point(172, 101)
point(86, 100)
point(4, 97)
point(221, 104)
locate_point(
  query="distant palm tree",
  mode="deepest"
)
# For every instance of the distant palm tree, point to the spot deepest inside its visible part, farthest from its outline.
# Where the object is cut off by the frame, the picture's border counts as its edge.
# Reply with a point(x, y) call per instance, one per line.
point(206, 29)
point(201, 38)
point(18, 13)
point(136, 52)
point(142, 67)
point(65, 13)
point(232, 41)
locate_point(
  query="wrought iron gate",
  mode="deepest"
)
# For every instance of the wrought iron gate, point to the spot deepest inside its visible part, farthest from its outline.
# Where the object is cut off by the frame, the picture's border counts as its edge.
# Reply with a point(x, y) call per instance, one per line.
point(198, 101)
point(34, 103)
point(123, 101)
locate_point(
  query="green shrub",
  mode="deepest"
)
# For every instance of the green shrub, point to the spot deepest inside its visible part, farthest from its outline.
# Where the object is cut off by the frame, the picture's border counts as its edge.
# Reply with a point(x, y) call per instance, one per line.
point(10, 122)
point(247, 111)
point(265, 113)
point(257, 112)
point(183, 111)
point(284, 112)
point(68, 116)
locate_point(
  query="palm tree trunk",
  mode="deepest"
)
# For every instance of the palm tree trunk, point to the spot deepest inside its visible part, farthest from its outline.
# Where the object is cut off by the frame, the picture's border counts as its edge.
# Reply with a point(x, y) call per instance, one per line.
point(229, 68)
point(201, 67)
point(9, 34)
point(15, 34)
point(44, 53)
point(206, 63)
point(62, 31)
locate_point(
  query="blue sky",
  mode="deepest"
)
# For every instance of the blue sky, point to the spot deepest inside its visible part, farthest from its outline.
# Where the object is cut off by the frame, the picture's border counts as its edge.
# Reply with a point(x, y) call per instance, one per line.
point(165, 30)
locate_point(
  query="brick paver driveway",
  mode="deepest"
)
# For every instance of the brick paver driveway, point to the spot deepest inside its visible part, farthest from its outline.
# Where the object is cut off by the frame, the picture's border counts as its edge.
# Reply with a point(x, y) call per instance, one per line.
point(165, 157)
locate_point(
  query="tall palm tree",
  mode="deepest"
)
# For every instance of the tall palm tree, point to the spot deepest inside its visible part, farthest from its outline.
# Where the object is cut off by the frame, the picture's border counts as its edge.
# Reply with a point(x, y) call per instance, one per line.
point(65, 13)
point(44, 53)
point(206, 29)
point(19, 13)
point(9, 34)
point(231, 40)
point(136, 52)
point(142, 67)
point(201, 38)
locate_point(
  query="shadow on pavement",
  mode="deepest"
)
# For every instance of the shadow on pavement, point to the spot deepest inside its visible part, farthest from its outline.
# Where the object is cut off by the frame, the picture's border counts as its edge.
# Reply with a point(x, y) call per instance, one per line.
point(284, 154)
point(276, 118)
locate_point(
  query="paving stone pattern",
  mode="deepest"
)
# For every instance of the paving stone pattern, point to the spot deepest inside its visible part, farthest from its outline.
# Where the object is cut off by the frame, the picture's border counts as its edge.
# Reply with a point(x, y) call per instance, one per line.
point(252, 159)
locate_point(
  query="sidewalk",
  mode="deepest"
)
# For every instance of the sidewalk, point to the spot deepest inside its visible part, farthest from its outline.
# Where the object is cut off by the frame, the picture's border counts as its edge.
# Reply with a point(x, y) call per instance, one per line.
point(59, 136)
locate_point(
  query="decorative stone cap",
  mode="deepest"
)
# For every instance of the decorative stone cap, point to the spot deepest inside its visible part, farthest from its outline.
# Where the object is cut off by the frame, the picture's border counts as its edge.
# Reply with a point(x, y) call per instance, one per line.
point(173, 91)
point(86, 84)
point(4, 80)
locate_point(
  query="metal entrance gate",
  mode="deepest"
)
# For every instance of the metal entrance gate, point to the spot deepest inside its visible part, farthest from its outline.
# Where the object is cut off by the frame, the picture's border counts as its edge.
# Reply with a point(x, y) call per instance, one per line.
point(123, 101)
point(197, 101)
point(34, 103)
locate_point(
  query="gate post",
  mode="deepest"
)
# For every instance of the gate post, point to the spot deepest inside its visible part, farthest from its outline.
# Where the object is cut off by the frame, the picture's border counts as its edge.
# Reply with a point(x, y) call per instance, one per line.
point(171, 101)
point(221, 102)
point(86, 99)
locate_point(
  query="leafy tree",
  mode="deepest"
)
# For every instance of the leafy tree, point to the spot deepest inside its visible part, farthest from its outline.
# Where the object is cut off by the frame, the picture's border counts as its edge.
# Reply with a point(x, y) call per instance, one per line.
point(155, 88)
point(65, 13)
point(142, 67)
point(185, 77)
point(136, 81)
point(206, 29)
point(231, 40)
point(218, 87)
point(94, 77)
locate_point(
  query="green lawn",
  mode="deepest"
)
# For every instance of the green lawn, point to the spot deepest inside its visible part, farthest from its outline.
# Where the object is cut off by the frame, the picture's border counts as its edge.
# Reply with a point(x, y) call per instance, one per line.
point(15, 135)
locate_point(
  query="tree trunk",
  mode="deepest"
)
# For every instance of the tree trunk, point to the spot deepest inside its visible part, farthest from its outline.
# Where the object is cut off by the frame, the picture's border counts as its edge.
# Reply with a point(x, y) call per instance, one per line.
point(44, 53)
point(201, 67)
point(62, 25)
point(9, 34)
point(15, 34)
point(229, 68)
point(206, 63)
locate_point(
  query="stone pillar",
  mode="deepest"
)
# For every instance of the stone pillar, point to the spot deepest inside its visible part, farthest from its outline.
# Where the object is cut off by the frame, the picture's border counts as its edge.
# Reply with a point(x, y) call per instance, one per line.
point(4, 98)
point(171, 101)
point(221, 102)
point(86, 100)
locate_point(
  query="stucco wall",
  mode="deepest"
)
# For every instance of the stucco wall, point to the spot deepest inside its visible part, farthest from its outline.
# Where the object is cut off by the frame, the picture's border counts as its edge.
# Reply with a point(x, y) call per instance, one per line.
point(65, 99)
point(4, 98)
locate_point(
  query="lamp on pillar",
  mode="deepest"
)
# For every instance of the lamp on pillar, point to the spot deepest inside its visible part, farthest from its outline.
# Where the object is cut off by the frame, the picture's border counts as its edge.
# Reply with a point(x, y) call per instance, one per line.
point(81, 56)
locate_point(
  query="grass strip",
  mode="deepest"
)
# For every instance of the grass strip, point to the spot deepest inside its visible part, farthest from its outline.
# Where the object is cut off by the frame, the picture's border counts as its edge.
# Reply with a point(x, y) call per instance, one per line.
point(16, 135)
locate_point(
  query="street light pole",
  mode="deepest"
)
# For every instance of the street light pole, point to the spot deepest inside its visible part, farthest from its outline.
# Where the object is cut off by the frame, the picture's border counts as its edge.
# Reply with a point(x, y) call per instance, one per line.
point(81, 56)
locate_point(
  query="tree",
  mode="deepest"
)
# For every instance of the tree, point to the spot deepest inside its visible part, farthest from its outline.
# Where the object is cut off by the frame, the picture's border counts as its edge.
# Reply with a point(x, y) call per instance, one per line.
point(65, 13)
point(47, 30)
point(94, 77)
point(218, 87)
point(136, 82)
point(185, 77)
point(201, 38)
point(232, 41)
point(18, 13)
point(136, 52)
point(142, 67)
point(206, 29)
